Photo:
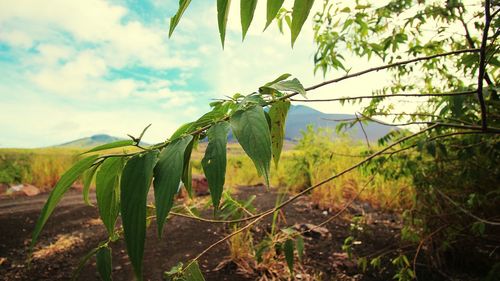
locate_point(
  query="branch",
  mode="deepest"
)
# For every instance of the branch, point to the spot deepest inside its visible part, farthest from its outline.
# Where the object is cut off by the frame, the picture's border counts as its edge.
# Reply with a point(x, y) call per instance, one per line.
point(307, 190)
point(465, 211)
point(390, 96)
point(482, 64)
point(456, 52)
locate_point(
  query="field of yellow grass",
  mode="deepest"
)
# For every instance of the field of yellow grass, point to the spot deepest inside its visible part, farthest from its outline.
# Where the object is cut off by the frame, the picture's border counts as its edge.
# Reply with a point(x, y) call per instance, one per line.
point(314, 158)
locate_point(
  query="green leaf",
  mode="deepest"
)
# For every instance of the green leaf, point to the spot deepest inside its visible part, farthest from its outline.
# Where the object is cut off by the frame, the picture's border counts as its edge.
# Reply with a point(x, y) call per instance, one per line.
point(108, 191)
point(278, 113)
point(168, 174)
point(186, 128)
point(55, 196)
point(247, 9)
point(87, 178)
point(280, 78)
point(111, 145)
point(214, 161)
point(222, 14)
point(193, 272)
point(134, 188)
point(273, 7)
point(301, 9)
point(187, 178)
point(183, 4)
point(83, 261)
point(104, 263)
point(288, 249)
point(252, 132)
point(299, 245)
point(293, 85)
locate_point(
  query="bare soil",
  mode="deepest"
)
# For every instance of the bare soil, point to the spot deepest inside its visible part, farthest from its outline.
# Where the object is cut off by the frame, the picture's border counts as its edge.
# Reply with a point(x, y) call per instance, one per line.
point(74, 229)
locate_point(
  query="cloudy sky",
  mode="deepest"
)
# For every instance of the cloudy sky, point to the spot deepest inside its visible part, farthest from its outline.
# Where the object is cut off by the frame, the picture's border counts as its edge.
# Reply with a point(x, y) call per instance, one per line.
point(71, 69)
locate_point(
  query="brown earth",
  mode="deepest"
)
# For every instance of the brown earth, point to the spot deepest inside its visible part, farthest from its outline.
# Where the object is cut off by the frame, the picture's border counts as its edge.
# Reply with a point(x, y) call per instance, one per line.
point(74, 229)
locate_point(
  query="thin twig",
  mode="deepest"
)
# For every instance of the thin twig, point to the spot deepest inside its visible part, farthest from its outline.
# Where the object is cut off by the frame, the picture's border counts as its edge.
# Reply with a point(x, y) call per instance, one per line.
point(363, 129)
point(482, 65)
point(466, 211)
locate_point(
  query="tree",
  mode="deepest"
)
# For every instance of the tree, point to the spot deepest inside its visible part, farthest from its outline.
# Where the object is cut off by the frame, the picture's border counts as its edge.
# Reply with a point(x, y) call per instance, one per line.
point(460, 111)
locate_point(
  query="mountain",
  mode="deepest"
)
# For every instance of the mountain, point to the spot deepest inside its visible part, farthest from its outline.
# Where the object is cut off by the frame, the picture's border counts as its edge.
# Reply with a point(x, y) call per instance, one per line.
point(89, 142)
point(300, 116)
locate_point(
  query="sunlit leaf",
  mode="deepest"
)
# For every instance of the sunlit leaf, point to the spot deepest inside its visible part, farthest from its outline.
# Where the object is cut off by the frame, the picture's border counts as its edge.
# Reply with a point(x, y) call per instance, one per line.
point(288, 249)
point(183, 4)
point(111, 145)
point(301, 9)
point(247, 9)
point(104, 263)
point(278, 113)
point(222, 14)
point(273, 7)
point(134, 187)
point(87, 178)
point(280, 78)
point(168, 173)
point(214, 161)
point(55, 196)
point(252, 132)
point(293, 85)
point(108, 191)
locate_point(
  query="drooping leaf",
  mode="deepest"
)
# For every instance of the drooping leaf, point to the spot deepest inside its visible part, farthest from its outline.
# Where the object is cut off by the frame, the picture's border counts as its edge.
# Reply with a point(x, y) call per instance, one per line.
point(299, 245)
point(193, 272)
point(87, 178)
point(111, 145)
point(183, 4)
point(222, 14)
point(108, 191)
point(301, 9)
point(214, 161)
point(247, 9)
point(293, 85)
point(288, 249)
point(168, 174)
point(273, 7)
point(278, 113)
point(252, 132)
point(55, 196)
point(187, 170)
point(104, 263)
point(134, 187)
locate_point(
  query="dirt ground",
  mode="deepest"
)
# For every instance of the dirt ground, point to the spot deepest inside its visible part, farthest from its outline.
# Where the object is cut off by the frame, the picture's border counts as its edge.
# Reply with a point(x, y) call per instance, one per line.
point(74, 229)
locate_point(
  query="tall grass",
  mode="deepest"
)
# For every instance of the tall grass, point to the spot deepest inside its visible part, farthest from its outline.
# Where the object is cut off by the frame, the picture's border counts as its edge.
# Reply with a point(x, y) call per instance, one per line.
point(39, 167)
point(314, 158)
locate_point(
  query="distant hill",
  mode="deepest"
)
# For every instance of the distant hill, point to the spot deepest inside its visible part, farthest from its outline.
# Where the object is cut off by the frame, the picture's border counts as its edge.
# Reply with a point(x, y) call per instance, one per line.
point(300, 116)
point(89, 142)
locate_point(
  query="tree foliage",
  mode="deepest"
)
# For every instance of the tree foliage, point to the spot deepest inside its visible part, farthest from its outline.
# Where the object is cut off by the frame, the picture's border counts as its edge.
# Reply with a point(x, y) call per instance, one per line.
point(455, 153)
